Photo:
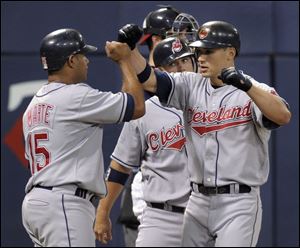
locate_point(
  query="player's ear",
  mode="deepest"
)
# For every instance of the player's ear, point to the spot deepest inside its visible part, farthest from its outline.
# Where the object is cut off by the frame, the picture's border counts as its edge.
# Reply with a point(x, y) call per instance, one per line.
point(231, 52)
point(71, 61)
point(155, 39)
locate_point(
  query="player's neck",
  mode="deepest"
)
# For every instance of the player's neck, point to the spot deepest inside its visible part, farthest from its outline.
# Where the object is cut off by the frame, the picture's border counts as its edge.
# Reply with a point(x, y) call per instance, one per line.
point(60, 79)
point(216, 82)
point(63, 77)
point(151, 61)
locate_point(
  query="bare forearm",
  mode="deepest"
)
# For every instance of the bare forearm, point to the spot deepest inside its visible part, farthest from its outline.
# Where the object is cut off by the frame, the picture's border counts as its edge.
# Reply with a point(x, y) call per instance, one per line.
point(270, 105)
point(139, 63)
point(106, 204)
point(113, 190)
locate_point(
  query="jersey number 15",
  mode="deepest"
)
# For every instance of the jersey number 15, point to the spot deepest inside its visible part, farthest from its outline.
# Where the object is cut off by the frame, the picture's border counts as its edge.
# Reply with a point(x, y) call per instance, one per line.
point(38, 153)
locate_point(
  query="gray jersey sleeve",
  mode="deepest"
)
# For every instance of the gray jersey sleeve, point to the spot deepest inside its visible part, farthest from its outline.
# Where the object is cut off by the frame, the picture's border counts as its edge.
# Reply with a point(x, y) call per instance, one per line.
point(99, 107)
point(129, 147)
point(257, 115)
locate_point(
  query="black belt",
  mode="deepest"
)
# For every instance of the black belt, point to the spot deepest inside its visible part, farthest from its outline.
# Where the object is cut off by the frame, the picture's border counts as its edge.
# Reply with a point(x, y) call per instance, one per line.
point(226, 189)
point(79, 192)
point(166, 206)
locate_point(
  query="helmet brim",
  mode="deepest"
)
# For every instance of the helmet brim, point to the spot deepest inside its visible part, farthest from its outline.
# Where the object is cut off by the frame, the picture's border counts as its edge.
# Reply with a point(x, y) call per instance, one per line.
point(173, 57)
point(89, 49)
point(206, 44)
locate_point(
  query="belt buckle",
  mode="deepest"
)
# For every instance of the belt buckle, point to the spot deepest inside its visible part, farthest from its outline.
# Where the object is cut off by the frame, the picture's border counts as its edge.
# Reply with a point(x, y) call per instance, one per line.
point(167, 207)
point(214, 191)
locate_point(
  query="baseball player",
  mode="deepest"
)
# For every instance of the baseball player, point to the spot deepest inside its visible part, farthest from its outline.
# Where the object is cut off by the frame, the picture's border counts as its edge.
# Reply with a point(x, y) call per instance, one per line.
point(173, 55)
point(164, 59)
point(155, 142)
point(184, 26)
point(228, 118)
point(63, 138)
point(156, 25)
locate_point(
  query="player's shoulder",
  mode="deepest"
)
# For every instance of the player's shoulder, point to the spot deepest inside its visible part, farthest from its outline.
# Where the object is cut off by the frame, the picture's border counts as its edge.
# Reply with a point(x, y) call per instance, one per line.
point(152, 100)
point(187, 77)
point(82, 86)
point(185, 74)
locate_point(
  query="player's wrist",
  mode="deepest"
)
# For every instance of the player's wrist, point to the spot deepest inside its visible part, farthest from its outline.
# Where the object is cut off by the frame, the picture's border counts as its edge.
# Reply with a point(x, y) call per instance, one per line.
point(101, 211)
point(145, 74)
point(116, 176)
point(244, 83)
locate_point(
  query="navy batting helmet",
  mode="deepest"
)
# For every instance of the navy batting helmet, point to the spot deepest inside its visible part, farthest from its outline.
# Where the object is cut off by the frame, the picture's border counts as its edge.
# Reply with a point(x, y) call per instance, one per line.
point(171, 49)
point(57, 46)
point(158, 22)
point(216, 34)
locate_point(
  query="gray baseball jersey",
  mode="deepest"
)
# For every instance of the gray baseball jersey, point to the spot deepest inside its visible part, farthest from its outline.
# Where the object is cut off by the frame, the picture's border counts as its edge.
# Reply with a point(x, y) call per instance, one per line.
point(227, 144)
point(63, 134)
point(156, 143)
point(217, 120)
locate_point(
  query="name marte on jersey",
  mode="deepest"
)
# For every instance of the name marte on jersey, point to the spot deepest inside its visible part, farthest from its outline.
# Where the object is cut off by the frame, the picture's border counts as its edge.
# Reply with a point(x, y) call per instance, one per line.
point(172, 138)
point(39, 114)
point(204, 122)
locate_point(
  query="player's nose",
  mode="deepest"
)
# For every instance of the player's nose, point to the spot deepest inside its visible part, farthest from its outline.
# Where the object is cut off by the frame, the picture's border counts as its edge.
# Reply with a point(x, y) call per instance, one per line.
point(200, 59)
point(179, 66)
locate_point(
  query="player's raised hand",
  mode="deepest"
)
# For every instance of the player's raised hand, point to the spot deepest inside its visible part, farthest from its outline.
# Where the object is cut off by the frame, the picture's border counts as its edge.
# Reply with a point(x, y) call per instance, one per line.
point(234, 77)
point(130, 34)
point(117, 51)
point(102, 228)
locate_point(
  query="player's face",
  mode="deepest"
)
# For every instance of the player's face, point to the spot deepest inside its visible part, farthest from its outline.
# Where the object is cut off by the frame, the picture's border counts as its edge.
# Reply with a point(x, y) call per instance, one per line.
point(81, 63)
point(212, 61)
point(180, 65)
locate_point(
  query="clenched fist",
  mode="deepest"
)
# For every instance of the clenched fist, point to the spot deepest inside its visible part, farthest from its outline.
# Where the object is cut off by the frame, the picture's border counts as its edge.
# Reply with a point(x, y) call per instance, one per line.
point(130, 34)
point(234, 77)
point(117, 51)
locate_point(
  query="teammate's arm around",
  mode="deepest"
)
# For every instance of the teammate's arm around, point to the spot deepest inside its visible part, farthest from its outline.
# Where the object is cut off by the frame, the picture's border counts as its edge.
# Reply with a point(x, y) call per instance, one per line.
point(115, 181)
point(120, 53)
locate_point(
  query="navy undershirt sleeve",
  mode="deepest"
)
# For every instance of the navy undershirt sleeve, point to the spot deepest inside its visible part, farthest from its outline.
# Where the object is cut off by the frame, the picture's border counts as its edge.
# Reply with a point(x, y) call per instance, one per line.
point(164, 85)
point(129, 108)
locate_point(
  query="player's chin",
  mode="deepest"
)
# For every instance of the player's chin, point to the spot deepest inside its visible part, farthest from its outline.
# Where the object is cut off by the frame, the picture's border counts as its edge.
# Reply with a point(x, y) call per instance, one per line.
point(205, 74)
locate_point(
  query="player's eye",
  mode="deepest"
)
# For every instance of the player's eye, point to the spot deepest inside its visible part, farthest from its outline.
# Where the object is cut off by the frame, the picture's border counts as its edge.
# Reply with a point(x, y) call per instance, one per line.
point(184, 60)
point(204, 52)
point(172, 64)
